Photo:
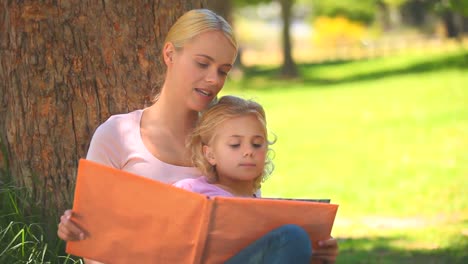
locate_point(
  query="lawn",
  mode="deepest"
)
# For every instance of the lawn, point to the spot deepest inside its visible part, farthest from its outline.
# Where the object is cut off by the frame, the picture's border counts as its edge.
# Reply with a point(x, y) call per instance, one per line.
point(387, 140)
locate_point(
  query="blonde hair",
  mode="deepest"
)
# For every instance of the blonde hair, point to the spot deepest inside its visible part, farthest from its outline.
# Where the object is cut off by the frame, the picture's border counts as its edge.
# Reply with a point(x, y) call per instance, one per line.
point(196, 22)
point(226, 108)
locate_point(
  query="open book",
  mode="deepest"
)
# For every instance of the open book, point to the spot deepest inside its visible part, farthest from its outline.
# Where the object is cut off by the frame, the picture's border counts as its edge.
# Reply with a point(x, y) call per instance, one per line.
point(132, 219)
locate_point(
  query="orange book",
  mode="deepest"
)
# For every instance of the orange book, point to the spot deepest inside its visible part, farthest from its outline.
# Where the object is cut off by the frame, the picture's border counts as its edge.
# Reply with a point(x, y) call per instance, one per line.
point(131, 219)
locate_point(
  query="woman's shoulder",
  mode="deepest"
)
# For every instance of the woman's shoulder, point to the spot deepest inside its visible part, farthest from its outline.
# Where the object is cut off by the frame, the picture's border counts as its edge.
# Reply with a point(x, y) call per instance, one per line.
point(120, 124)
point(112, 141)
point(126, 119)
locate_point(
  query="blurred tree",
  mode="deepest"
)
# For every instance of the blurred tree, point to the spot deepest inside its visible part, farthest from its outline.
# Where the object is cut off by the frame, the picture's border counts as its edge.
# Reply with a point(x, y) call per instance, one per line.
point(416, 13)
point(454, 13)
point(393, 15)
point(289, 68)
point(225, 9)
point(65, 66)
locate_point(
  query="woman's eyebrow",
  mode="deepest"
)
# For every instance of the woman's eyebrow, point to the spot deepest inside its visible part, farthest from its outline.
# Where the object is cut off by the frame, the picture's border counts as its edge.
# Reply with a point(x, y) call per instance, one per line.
point(211, 59)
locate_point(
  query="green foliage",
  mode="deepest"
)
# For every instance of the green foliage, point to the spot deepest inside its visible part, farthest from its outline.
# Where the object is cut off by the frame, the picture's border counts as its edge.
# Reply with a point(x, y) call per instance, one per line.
point(441, 6)
point(357, 10)
point(241, 3)
point(25, 235)
point(460, 6)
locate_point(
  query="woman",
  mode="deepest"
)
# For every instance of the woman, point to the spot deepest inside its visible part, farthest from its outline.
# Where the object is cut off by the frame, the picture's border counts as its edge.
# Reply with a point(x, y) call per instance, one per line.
point(199, 51)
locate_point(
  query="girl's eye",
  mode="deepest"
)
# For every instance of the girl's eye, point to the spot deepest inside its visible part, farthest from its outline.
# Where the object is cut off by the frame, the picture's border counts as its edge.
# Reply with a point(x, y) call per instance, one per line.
point(223, 73)
point(257, 145)
point(234, 146)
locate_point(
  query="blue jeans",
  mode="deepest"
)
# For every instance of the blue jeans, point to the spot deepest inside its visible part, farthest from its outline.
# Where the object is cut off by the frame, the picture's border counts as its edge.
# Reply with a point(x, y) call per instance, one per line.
point(286, 244)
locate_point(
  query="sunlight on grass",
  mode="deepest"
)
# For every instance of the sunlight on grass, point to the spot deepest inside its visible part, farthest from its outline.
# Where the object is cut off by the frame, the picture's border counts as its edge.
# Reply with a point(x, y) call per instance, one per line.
point(382, 139)
point(386, 137)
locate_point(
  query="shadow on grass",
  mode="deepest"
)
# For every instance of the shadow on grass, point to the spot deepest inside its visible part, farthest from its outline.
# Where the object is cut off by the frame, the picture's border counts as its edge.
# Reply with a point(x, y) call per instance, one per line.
point(457, 61)
point(449, 62)
point(383, 250)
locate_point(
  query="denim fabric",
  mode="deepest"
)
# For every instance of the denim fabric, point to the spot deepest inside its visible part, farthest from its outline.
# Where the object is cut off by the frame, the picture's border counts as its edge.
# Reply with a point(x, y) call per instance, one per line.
point(286, 244)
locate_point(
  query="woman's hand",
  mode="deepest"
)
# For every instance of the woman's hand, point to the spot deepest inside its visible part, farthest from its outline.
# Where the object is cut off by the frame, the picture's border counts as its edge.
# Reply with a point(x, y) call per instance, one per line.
point(327, 251)
point(68, 230)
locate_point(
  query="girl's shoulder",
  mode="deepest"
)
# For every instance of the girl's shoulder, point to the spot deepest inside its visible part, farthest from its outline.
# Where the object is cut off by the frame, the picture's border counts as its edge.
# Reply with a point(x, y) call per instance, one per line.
point(202, 186)
point(191, 184)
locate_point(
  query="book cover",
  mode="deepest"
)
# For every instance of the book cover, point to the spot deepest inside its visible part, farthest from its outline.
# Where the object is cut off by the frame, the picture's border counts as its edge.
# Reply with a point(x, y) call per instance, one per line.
point(131, 219)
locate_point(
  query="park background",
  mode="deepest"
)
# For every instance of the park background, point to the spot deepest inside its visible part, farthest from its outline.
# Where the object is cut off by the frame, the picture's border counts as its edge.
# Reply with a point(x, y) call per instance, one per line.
point(368, 101)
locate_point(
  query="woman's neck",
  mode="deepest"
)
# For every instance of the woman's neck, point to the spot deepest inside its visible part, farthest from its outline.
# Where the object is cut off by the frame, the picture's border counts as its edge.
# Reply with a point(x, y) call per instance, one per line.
point(164, 129)
point(178, 120)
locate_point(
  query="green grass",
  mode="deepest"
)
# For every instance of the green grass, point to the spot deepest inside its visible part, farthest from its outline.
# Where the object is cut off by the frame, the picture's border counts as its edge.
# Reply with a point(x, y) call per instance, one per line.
point(26, 234)
point(385, 137)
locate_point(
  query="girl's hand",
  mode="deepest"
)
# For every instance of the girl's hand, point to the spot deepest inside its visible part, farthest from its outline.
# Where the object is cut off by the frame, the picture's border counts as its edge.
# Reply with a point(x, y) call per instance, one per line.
point(327, 252)
point(68, 230)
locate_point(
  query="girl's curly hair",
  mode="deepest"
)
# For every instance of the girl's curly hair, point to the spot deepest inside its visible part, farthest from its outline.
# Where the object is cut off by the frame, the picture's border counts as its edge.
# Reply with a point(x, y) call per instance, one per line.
point(225, 108)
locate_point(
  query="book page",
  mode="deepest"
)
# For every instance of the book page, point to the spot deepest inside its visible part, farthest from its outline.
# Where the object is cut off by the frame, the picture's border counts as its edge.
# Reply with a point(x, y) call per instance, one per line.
point(132, 219)
point(237, 222)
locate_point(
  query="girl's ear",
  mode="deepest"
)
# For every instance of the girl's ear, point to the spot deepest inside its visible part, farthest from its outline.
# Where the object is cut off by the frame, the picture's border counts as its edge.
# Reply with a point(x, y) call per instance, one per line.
point(168, 53)
point(209, 155)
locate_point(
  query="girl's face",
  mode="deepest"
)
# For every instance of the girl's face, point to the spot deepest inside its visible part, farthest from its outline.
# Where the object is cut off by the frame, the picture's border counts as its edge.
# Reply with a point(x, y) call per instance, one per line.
point(238, 149)
point(199, 69)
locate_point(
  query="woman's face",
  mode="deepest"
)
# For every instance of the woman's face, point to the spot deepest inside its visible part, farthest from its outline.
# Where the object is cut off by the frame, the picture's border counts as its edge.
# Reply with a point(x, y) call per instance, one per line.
point(199, 69)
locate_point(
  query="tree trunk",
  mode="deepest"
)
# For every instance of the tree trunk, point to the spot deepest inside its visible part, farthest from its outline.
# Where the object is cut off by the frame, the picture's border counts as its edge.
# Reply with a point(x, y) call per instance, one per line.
point(383, 16)
point(288, 69)
point(449, 19)
point(65, 67)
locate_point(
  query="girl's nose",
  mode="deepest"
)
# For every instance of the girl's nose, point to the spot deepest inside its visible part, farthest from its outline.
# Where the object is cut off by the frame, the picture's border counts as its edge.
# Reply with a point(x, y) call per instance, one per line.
point(248, 152)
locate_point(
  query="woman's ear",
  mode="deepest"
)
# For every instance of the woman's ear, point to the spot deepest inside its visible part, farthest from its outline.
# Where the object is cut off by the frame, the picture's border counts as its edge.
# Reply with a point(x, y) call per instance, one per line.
point(209, 155)
point(168, 52)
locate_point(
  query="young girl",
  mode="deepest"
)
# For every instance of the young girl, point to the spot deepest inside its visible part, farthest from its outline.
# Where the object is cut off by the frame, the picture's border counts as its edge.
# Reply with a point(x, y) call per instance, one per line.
point(229, 146)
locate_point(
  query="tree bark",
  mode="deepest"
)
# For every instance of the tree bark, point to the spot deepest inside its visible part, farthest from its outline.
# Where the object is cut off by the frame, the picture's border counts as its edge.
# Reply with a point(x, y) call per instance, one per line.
point(65, 67)
point(383, 16)
point(288, 69)
point(449, 19)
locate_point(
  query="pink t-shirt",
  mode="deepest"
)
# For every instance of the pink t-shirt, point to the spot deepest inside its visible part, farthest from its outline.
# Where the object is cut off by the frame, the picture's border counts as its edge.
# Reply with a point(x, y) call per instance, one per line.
point(117, 143)
point(201, 185)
